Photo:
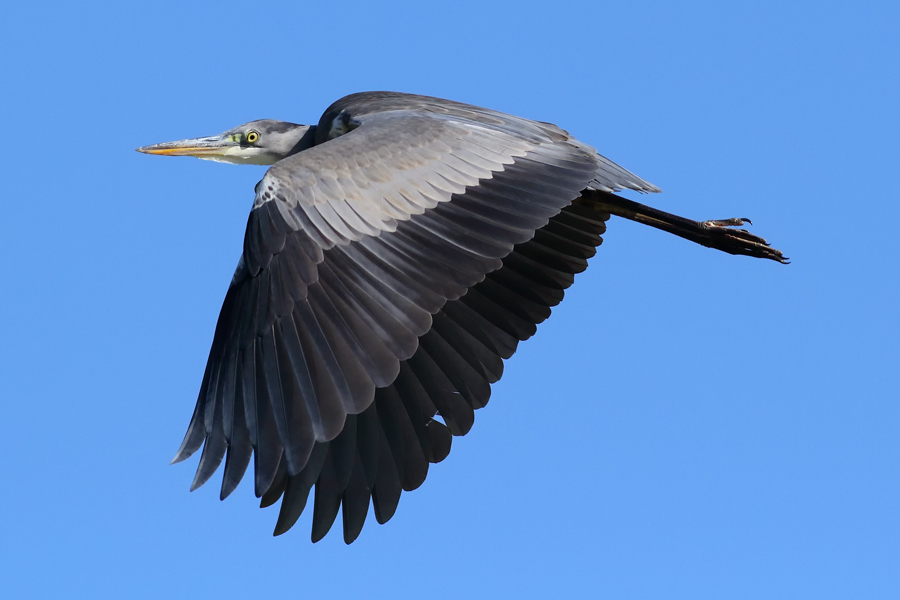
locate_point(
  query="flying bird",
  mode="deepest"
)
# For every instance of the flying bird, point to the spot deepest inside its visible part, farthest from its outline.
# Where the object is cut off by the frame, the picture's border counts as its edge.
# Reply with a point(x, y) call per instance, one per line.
point(395, 255)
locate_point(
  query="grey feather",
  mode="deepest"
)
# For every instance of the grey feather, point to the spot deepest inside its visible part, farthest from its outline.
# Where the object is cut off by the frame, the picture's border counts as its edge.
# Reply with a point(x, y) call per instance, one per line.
point(385, 275)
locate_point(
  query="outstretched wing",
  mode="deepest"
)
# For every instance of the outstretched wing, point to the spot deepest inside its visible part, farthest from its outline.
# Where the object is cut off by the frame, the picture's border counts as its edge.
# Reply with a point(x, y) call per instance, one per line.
point(360, 308)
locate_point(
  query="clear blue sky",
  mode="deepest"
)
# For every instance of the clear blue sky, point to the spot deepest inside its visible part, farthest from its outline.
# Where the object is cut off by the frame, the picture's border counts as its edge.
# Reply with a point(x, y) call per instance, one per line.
point(688, 424)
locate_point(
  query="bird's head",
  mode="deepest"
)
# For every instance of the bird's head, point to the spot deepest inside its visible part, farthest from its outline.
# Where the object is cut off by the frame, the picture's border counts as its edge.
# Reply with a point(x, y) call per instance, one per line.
point(262, 142)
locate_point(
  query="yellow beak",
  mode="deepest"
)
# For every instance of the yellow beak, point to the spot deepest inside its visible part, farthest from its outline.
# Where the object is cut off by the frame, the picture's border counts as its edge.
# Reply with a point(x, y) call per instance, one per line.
point(216, 145)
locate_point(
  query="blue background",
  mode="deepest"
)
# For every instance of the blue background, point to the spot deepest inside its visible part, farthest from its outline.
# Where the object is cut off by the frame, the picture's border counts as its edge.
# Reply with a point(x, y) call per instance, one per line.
point(688, 424)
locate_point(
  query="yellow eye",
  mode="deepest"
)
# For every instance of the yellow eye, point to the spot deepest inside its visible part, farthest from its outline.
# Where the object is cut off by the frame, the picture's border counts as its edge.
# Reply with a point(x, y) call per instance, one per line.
point(252, 137)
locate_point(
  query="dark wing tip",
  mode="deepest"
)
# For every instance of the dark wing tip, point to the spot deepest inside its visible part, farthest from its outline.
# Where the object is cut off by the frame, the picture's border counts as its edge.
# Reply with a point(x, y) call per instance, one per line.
point(193, 437)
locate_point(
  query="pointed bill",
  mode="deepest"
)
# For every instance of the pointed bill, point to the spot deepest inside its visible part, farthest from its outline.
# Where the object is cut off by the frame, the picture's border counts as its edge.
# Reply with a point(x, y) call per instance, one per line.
point(203, 147)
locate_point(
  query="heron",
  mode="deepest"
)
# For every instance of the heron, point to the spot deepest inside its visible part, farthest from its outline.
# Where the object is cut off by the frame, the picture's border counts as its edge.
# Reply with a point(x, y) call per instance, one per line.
point(395, 255)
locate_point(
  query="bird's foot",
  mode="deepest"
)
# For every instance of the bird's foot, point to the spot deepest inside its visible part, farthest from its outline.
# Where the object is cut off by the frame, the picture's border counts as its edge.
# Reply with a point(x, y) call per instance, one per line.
point(721, 235)
point(718, 233)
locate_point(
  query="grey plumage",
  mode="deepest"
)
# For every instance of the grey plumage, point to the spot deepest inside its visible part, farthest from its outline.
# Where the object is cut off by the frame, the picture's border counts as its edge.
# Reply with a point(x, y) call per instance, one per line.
point(395, 255)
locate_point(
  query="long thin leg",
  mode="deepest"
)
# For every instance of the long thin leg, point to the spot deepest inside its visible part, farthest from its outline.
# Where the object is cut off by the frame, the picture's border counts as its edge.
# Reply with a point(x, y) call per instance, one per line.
point(716, 234)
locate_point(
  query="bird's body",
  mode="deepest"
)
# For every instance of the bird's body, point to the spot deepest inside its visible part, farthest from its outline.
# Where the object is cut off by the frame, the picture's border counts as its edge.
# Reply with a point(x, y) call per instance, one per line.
point(395, 255)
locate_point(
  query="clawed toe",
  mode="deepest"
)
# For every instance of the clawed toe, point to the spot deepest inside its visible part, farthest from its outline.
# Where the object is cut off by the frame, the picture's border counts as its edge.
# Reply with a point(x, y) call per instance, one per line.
point(721, 235)
point(735, 222)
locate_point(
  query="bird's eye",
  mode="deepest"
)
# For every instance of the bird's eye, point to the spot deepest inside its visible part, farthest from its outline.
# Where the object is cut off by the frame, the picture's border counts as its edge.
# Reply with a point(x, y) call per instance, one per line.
point(252, 137)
